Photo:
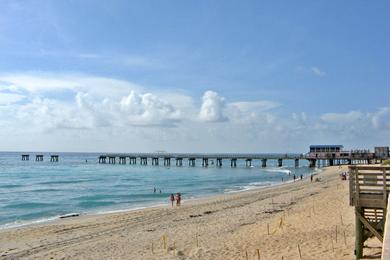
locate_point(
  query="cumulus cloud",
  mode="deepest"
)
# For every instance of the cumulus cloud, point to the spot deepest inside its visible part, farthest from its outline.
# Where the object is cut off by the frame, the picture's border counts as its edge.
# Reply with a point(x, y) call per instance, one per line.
point(51, 114)
point(212, 107)
point(142, 109)
point(100, 101)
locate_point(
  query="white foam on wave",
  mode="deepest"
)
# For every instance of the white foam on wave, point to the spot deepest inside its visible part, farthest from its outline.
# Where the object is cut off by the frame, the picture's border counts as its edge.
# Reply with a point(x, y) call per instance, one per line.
point(279, 170)
point(19, 223)
point(249, 186)
point(128, 209)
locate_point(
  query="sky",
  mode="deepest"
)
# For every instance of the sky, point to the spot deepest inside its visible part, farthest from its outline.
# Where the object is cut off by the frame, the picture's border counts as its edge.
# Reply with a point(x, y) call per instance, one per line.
point(193, 76)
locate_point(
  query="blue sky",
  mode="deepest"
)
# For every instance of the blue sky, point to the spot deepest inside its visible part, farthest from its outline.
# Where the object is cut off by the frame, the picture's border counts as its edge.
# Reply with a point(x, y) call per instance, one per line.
point(193, 75)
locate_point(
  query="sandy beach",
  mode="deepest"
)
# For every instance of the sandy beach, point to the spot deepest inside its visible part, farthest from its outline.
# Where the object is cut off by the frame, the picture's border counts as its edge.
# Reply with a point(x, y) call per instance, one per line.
point(300, 220)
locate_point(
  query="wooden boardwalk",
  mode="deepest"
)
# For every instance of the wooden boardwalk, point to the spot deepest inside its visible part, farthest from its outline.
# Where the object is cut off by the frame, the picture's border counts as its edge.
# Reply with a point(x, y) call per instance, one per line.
point(369, 189)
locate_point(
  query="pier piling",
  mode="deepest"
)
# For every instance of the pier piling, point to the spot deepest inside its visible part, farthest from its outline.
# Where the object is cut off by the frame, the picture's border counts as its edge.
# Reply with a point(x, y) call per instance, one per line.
point(111, 160)
point(248, 162)
point(155, 161)
point(144, 161)
point(122, 159)
point(54, 158)
point(296, 163)
point(205, 162)
point(219, 162)
point(263, 163)
point(280, 162)
point(191, 162)
point(102, 159)
point(233, 162)
point(179, 162)
point(167, 161)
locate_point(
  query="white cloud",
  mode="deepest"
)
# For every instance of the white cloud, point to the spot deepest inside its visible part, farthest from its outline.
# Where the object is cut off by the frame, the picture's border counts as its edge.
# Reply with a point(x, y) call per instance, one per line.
point(143, 119)
point(312, 70)
point(212, 107)
point(316, 71)
point(381, 119)
point(10, 98)
point(342, 117)
point(259, 106)
point(51, 114)
point(144, 109)
point(40, 83)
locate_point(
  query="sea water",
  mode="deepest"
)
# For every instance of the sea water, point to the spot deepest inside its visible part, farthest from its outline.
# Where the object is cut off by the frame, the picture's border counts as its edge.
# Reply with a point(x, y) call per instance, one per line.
point(33, 191)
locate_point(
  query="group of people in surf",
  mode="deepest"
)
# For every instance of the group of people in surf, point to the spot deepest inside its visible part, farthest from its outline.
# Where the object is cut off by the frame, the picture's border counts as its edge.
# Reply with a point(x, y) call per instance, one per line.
point(176, 198)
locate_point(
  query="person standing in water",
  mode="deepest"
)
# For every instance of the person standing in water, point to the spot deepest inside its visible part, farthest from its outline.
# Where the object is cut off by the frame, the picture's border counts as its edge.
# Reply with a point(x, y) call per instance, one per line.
point(172, 198)
point(178, 199)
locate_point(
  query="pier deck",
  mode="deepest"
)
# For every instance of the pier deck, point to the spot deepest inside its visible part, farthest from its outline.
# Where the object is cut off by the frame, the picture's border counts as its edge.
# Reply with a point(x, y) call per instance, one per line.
point(205, 157)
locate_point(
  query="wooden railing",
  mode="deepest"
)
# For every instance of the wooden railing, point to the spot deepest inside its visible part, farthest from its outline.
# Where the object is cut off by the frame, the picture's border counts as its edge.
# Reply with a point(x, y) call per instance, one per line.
point(369, 187)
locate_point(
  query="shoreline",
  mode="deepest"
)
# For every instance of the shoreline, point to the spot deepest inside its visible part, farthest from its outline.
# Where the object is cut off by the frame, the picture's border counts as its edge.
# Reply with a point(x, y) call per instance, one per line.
point(221, 227)
point(43, 221)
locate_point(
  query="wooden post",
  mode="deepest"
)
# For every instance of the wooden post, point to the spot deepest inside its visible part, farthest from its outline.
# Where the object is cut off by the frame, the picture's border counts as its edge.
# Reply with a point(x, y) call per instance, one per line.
point(299, 251)
point(258, 254)
point(268, 228)
point(359, 235)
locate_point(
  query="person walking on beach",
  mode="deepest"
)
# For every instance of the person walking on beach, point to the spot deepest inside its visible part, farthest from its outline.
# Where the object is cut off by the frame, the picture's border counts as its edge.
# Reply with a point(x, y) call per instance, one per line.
point(301, 176)
point(311, 178)
point(154, 190)
point(172, 198)
point(178, 199)
point(294, 177)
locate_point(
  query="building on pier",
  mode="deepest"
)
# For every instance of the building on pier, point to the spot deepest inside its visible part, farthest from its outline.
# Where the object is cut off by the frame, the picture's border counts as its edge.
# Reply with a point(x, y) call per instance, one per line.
point(382, 152)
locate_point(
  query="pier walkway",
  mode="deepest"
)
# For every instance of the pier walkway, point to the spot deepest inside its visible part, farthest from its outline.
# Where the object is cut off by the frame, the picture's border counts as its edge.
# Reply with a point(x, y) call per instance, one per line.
point(206, 158)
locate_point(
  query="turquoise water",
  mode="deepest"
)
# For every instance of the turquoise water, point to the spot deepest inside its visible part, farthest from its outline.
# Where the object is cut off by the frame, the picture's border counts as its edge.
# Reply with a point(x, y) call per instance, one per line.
point(38, 191)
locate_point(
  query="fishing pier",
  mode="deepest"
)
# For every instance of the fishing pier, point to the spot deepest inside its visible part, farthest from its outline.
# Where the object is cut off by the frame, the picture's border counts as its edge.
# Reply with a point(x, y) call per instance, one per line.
point(205, 159)
point(318, 155)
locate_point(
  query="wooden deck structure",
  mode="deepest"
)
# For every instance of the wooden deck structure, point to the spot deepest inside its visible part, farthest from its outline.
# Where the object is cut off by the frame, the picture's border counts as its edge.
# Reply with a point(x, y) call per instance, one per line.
point(386, 236)
point(369, 187)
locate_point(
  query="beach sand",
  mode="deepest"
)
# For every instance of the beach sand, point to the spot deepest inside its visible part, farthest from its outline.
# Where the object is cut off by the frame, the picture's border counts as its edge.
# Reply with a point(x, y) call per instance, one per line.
point(313, 220)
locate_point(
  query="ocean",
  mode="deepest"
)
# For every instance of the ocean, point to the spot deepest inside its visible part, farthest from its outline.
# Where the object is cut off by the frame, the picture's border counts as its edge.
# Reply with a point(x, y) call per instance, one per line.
point(33, 192)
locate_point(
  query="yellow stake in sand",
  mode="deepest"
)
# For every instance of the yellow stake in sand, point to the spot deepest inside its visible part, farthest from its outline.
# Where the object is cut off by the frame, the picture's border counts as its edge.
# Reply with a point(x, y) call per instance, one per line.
point(164, 239)
point(258, 254)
